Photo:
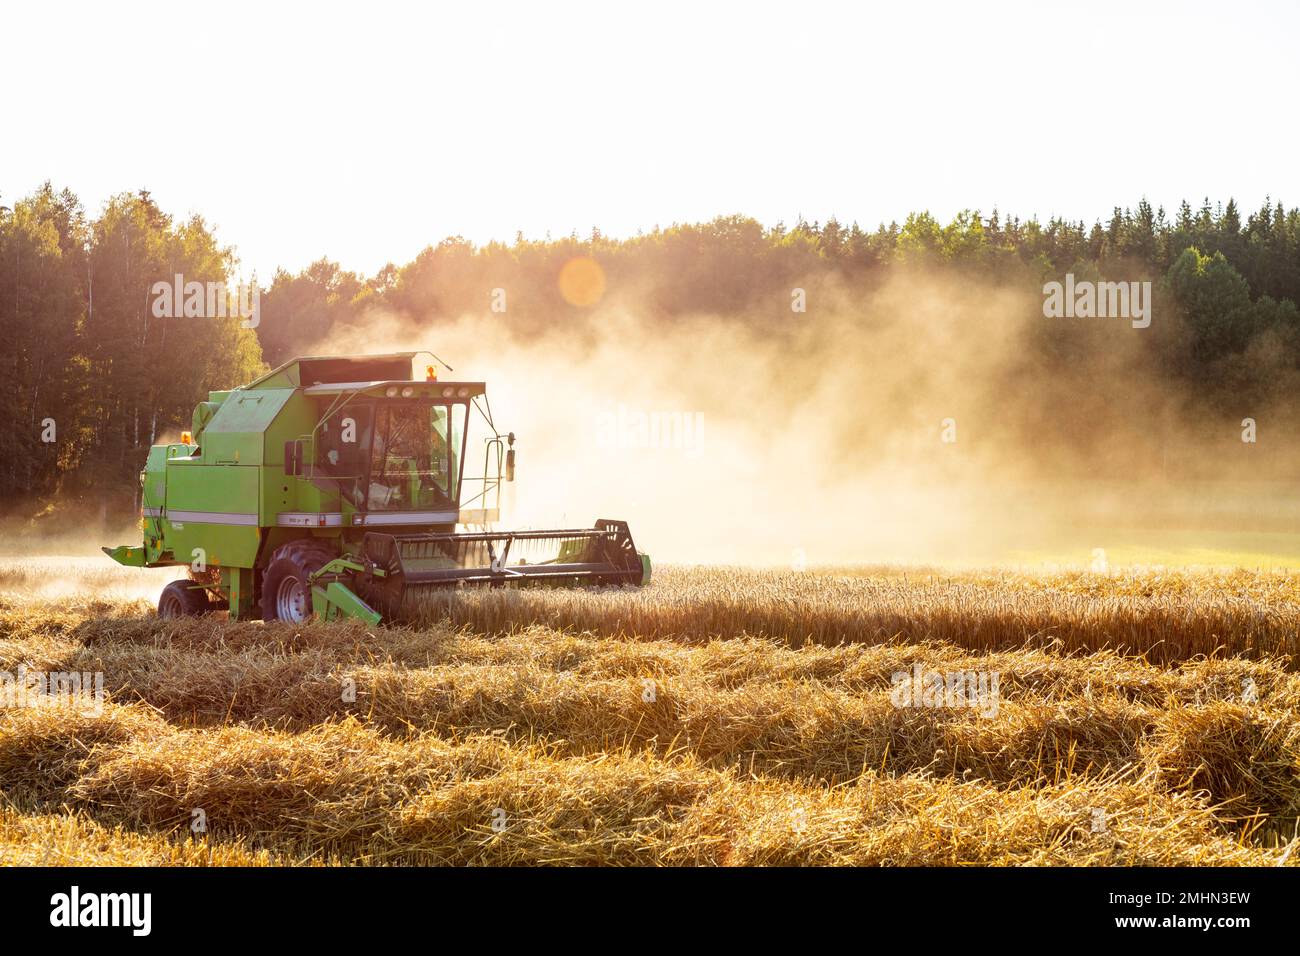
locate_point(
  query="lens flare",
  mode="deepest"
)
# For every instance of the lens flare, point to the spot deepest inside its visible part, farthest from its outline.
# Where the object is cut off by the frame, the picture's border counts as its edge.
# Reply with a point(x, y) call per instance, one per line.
point(582, 281)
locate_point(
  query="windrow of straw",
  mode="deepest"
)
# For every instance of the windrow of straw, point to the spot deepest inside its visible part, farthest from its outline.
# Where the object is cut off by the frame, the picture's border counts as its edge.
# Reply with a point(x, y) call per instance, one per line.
point(345, 792)
point(719, 717)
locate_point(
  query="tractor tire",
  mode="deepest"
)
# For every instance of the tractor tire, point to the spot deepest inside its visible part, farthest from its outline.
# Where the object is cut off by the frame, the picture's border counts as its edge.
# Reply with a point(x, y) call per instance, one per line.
point(286, 587)
point(182, 599)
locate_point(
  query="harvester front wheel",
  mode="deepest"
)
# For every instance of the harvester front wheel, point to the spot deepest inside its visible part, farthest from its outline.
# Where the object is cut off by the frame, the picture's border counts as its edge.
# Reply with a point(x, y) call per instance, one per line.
point(286, 587)
point(182, 599)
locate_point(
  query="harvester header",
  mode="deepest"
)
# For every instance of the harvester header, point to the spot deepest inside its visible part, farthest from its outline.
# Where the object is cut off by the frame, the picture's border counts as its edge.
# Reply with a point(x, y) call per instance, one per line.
point(336, 486)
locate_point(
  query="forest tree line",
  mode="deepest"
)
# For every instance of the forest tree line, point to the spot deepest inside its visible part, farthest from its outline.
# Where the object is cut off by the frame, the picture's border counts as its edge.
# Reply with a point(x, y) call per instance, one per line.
point(87, 354)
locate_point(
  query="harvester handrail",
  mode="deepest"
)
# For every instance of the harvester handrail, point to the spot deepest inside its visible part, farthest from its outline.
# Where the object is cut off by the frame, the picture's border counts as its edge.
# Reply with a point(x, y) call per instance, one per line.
point(487, 479)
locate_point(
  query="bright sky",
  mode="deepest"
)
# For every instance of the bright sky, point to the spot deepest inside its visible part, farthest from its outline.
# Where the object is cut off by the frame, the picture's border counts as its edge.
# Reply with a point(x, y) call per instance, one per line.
point(365, 131)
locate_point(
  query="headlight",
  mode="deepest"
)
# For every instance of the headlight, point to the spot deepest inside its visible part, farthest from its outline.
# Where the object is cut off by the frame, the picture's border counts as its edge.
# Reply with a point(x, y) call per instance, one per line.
point(446, 392)
point(463, 393)
point(408, 392)
point(391, 391)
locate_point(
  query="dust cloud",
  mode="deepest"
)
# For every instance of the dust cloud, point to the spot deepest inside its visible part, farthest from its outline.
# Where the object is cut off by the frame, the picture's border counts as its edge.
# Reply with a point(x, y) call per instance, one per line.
point(59, 578)
point(934, 418)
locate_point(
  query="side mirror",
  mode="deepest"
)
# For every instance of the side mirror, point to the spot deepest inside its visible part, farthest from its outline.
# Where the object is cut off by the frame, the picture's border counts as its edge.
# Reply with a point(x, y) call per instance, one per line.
point(510, 465)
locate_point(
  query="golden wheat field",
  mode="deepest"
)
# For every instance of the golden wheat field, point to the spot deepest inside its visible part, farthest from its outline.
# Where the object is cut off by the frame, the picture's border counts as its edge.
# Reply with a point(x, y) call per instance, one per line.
point(719, 717)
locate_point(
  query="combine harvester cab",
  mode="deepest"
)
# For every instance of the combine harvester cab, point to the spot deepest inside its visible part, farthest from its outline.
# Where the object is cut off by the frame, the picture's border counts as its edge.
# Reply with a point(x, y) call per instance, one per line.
point(334, 487)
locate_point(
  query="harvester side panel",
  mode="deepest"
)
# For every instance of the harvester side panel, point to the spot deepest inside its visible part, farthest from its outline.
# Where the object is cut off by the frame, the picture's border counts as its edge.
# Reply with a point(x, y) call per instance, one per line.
point(213, 507)
point(153, 499)
point(236, 435)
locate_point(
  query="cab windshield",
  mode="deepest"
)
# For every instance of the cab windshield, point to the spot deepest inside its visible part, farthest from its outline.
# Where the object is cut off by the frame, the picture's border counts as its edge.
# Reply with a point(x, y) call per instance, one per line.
point(415, 457)
point(391, 456)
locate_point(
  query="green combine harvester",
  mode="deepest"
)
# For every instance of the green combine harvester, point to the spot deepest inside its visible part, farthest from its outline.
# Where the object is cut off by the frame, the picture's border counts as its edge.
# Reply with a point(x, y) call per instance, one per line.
point(334, 487)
